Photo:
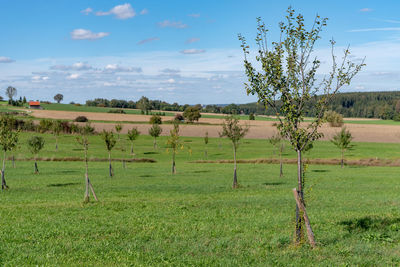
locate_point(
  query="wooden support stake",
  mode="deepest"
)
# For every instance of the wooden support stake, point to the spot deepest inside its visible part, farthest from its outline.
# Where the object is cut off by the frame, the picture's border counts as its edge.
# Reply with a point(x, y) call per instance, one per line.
point(310, 233)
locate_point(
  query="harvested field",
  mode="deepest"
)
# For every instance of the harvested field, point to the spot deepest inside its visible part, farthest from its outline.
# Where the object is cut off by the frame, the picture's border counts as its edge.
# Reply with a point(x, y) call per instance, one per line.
point(258, 129)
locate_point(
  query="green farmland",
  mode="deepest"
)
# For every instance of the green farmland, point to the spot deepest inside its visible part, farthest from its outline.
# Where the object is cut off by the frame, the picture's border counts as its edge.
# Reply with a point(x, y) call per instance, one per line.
point(148, 217)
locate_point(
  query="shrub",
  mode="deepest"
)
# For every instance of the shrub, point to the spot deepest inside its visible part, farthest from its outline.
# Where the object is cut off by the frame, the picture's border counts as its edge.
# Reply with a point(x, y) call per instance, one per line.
point(77, 105)
point(155, 119)
point(335, 119)
point(45, 125)
point(252, 117)
point(101, 105)
point(81, 119)
point(179, 117)
point(192, 114)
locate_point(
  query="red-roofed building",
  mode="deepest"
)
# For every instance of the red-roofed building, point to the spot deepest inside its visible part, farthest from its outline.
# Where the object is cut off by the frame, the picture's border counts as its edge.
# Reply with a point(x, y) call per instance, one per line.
point(35, 104)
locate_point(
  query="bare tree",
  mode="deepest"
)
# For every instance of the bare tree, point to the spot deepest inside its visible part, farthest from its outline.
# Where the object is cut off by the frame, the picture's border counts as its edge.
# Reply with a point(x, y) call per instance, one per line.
point(11, 92)
point(174, 144)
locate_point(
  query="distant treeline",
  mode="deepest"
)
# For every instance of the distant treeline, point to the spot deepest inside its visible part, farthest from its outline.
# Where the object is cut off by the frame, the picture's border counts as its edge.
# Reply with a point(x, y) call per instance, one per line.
point(384, 105)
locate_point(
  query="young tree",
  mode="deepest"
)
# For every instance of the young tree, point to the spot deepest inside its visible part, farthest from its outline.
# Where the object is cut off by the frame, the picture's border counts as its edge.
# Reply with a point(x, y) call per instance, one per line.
point(11, 92)
point(288, 74)
point(277, 142)
point(234, 131)
point(155, 119)
point(192, 114)
point(56, 130)
point(155, 132)
point(58, 98)
point(8, 141)
point(174, 143)
point(132, 136)
point(35, 144)
point(118, 129)
point(342, 140)
point(206, 143)
point(83, 139)
point(109, 140)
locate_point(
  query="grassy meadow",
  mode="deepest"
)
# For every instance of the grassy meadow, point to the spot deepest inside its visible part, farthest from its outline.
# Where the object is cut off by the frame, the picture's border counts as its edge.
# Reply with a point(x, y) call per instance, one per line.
point(148, 217)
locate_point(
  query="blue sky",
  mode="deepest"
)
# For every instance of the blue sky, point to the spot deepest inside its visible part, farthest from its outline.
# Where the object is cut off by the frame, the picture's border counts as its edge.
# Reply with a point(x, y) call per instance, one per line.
point(177, 51)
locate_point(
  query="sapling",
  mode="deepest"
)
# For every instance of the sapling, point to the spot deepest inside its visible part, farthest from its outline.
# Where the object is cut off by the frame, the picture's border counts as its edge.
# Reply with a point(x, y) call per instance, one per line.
point(343, 141)
point(155, 132)
point(110, 141)
point(132, 136)
point(83, 139)
point(174, 144)
point(8, 141)
point(35, 144)
point(235, 132)
point(205, 143)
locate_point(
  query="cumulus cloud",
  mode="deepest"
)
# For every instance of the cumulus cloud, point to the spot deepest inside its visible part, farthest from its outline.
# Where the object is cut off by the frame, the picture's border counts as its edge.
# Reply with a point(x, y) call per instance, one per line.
point(194, 15)
point(87, 11)
point(76, 66)
point(148, 40)
point(192, 40)
point(112, 68)
point(6, 60)
point(172, 24)
point(124, 11)
point(193, 51)
point(82, 34)
point(366, 9)
point(73, 76)
point(144, 11)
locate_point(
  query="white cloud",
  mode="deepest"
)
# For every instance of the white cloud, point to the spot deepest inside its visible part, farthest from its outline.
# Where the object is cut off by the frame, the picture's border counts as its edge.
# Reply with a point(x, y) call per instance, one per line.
point(124, 11)
point(6, 60)
point(366, 9)
point(194, 15)
point(73, 76)
point(82, 34)
point(148, 40)
point(376, 29)
point(171, 81)
point(76, 66)
point(193, 51)
point(172, 24)
point(192, 40)
point(144, 12)
point(112, 68)
point(38, 78)
point(87, 11)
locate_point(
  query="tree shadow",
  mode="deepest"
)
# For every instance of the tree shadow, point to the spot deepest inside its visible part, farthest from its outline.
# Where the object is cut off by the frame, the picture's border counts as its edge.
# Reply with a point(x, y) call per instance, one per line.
point(146, 175)
point(273, 183)
point(320, 171)
point(77, 149)
point(62, 185)
point(370, 223)
point(204, 171)
point(150, 153)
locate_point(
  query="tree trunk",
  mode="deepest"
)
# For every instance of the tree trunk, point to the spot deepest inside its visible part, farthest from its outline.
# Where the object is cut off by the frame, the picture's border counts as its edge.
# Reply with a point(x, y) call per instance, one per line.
point(310, 233)
point(342, 161)
point(173, 162)
point(123, 164)
point(36, 167)
point(299, 232)
point(13, 161)
point(280, 163)
point(205, 153)
point(235, 183)
point(3, 180)
point(87, 181)
point(155, 143)
point(110, 168)
point(56, 144)
point(132, 149)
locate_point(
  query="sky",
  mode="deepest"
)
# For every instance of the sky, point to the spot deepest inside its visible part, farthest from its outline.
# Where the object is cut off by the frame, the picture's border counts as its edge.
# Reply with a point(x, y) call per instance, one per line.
point(176, 51)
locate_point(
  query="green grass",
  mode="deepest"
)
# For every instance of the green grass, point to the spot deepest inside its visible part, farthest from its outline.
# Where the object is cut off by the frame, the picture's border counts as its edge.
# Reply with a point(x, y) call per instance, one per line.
point(148, 217)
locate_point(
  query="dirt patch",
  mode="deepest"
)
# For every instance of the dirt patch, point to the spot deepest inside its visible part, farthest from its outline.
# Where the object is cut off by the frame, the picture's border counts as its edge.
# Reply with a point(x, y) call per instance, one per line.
point(258, 129)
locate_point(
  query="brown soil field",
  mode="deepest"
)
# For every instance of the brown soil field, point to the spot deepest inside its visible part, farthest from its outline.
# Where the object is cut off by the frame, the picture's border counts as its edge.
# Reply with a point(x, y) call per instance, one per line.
point(258, 129)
